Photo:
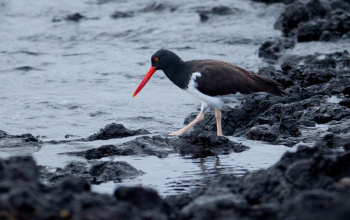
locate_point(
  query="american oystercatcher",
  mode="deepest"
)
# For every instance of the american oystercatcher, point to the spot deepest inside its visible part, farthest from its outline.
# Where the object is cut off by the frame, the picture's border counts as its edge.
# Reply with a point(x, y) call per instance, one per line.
point(213, 82)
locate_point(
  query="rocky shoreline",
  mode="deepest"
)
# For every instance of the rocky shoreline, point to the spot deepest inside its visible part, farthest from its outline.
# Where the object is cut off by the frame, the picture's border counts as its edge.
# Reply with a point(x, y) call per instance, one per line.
point(311, 183)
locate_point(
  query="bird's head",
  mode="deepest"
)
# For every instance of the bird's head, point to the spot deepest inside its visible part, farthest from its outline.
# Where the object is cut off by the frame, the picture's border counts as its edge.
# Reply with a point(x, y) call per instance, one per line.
point(161, 60)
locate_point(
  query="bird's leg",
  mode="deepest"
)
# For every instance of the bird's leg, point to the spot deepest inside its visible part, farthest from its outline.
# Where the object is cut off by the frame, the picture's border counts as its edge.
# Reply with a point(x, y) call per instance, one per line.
point(218, 122)
point(199, 118)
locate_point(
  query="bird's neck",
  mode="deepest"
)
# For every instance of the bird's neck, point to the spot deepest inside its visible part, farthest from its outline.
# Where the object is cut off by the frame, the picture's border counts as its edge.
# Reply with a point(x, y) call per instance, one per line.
point(177, 74)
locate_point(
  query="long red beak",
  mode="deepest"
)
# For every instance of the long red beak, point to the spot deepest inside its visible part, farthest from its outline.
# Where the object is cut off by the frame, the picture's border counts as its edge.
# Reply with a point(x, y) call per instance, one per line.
point(145, 80)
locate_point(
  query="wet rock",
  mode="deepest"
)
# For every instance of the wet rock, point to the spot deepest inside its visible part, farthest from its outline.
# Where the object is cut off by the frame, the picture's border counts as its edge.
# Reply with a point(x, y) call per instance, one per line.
point(275, 1)
point(145, 200)
point(222, 206)
point(312, 201)
point(272, 50)
point(345, 102)
point(299, 12)
point(25, 68)
point(200, 144)
point(120, 14)
point(16, 141)
point(156, 7)
point(263, 132)
point(112, 171)
point(155, 146)
point(73, 169)
point(99, 172)
point(315, 20)
point(295, 188)
point(75, 17)
point(115, 131)
point(219, 10)
point(23, 197)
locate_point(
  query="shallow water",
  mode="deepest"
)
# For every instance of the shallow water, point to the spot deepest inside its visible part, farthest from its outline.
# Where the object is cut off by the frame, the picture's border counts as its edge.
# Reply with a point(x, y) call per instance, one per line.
point(67, 77)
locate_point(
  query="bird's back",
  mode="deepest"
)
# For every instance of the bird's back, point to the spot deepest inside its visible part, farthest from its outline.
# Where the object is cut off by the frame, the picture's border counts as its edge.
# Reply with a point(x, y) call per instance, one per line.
point(226, 79)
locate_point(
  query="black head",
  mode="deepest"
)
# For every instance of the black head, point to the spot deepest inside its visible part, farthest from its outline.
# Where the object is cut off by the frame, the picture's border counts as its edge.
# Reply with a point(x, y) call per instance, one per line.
point(162, 59)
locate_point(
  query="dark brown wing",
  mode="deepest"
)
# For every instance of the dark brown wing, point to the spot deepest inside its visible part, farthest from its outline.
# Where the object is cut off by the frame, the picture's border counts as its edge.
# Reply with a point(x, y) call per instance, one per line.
point(220, 78)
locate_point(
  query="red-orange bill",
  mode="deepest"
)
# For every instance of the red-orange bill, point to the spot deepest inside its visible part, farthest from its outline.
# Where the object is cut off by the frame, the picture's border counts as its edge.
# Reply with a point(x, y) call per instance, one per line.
point(145, 80)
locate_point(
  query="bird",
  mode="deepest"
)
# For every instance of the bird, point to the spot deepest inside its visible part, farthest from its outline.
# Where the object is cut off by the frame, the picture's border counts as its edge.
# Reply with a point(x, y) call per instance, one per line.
point(213, 82)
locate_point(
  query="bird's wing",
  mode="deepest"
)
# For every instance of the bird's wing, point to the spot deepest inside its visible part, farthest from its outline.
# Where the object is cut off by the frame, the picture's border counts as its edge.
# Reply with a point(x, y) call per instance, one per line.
point(220, 78)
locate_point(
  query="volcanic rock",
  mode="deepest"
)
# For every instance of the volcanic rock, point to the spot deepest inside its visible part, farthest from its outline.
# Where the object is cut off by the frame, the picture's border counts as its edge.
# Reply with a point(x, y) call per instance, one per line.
point(197, 144)
point(115, 131)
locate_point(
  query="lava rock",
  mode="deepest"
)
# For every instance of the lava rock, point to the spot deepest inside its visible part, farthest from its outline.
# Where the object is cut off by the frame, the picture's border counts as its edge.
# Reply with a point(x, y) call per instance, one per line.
point(198, 144)
point(299, 12)
point(120, 14)
point(115, 131)
point(99, 172)
point(275, 1)
point(156, 7)
point(24, 197)
point(294, 188)
point(219, 10)
point(18, 141)
point(146, 200)
point(263, 132)
point(272, 50)
point(315, 20)
point(115, 171)
point(201, 144)
point(145, 145)
point(75, 17)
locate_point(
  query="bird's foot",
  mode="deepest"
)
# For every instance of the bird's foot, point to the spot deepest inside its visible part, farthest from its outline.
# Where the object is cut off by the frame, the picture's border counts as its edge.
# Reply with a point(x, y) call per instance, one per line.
point(178, 132)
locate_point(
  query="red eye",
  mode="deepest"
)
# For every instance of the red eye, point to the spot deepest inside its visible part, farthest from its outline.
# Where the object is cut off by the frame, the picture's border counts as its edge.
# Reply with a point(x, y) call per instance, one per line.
point(156, 59)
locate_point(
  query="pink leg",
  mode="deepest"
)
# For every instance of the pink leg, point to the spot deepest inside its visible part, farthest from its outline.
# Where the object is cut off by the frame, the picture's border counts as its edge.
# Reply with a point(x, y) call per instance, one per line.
point(199, 118)
point(218, 122)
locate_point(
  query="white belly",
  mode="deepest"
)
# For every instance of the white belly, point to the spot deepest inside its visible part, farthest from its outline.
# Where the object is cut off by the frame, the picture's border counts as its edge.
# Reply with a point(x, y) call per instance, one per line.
point(213, 101)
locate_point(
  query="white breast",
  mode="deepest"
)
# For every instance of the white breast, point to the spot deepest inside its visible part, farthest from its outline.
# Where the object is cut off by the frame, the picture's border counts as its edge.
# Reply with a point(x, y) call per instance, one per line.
point(206, 100)
point(213, 101)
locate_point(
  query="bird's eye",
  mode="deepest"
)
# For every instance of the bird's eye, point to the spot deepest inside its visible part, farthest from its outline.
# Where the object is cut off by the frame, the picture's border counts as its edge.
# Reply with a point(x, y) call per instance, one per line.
point(156, 59)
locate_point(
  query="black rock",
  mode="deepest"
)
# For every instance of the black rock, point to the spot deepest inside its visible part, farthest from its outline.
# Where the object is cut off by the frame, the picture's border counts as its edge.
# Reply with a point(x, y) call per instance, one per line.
point(145, 145)
point(16, 141)
point(295, 188)
point(219, 10)
point(120, 14)
point(115, 131)
point(299, 12)
point(272, 50)
point(275, 1)
point(75, 17)
point(263, 132)
point(112, 171)
point(200, 144)
point(145, 200)
point(24, 197)
point(156, 7)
